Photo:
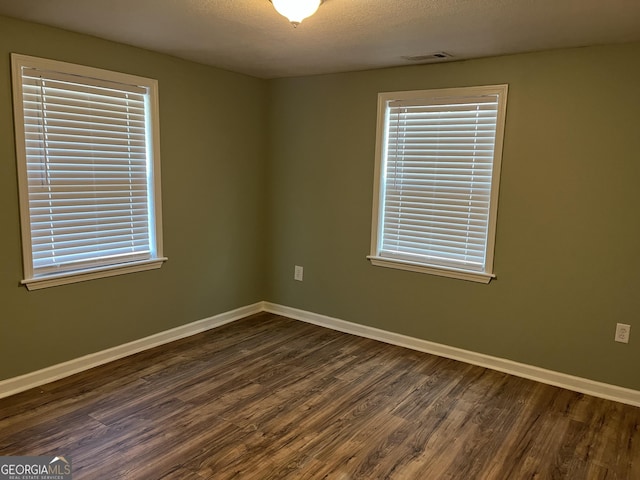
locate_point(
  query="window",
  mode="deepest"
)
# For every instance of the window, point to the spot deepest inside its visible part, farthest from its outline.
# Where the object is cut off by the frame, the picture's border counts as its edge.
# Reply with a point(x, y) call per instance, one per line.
point(437, 172)
point(89, 171)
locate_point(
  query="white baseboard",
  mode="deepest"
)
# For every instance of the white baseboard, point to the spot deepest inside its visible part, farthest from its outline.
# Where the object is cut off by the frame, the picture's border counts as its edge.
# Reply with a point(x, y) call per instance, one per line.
point(15, 385)
point(550, 377)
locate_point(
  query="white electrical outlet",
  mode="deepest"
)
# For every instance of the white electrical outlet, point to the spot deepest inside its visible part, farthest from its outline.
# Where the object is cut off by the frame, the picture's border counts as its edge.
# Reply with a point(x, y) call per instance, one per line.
point(298, 273)
point(622, 332)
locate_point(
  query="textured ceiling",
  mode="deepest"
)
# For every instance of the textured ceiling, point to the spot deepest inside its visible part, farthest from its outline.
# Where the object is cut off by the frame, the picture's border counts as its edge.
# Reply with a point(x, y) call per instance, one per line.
point(248, 36)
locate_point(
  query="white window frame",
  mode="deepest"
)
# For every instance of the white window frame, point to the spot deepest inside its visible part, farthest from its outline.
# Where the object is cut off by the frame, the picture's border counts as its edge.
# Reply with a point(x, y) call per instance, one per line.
point(155, 259)
point(422, 265)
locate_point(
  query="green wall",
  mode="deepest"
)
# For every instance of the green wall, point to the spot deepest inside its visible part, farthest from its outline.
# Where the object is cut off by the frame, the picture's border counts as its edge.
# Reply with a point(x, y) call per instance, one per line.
point(566, 257)
point(260, 175)
point(213, 143)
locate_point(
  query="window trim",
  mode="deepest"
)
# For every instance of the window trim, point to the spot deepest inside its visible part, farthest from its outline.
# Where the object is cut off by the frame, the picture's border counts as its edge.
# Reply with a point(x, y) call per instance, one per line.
point(18, 62)
point(384, 98)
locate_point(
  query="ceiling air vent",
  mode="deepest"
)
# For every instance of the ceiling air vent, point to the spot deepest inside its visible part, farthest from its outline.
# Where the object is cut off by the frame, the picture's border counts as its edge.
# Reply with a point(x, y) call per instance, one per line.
point(429, 57)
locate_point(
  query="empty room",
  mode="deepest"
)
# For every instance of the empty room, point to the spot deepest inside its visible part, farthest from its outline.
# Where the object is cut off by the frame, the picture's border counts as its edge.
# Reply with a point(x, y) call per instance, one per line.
point(319, 239)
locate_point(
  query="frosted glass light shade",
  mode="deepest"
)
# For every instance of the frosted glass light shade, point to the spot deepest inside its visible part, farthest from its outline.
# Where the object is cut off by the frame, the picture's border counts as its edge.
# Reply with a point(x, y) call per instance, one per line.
point(296, 10)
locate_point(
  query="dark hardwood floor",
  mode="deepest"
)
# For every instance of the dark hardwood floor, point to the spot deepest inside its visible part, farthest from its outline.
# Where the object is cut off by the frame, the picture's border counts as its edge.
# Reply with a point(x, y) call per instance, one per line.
point(268, 397)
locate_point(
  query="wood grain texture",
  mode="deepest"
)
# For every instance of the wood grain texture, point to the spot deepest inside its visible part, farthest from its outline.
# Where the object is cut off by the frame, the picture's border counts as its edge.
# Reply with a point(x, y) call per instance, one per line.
point(268, 397)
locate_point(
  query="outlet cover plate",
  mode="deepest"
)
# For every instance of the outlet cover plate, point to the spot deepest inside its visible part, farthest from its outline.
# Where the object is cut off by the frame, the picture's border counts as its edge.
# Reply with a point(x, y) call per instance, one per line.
point(622, 332)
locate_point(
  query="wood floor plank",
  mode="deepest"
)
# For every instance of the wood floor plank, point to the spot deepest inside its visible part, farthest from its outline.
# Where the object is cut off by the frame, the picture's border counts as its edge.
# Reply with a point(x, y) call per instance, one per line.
point(268, 397)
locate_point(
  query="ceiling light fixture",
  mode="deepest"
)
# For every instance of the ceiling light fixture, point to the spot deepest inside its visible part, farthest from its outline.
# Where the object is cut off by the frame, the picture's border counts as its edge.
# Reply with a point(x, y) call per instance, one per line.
point(296, 10)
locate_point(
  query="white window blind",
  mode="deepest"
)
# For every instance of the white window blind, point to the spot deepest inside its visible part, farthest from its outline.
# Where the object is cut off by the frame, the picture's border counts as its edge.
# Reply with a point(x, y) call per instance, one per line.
point(89, 172)
point(438, 179)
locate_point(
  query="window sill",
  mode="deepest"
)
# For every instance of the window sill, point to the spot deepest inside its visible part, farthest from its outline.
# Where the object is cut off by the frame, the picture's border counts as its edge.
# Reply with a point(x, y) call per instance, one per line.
point(479, 277)
point(91, 274)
